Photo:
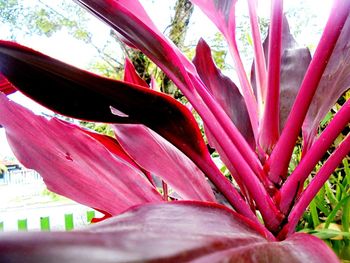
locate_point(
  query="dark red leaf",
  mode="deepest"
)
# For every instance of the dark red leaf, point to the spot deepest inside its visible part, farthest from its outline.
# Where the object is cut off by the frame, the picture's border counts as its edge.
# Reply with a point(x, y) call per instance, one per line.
point(224, 90)
point(168, 232)
point(73, 163)
point(79, 94)
point(334, 82)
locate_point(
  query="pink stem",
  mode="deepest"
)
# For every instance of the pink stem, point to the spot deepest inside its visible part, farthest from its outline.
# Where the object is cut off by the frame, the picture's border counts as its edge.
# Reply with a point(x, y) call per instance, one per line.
point(244, 150)
point(221, 127)
point(165, 191)
point(280, 157)
point(271, 215)
point(316, 184)
point(259, 57)
point(316, 152)
point(269, 130)
point(225, 186)
point(246, 88)
point(230, 192)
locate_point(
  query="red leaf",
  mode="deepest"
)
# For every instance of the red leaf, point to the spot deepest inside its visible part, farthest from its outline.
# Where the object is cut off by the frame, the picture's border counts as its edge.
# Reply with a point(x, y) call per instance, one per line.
point(131, 76)
point(5, 86)
point(73, 163)
point(168, 232)
point(100, 219)
point(161, 158)
point(334, 82)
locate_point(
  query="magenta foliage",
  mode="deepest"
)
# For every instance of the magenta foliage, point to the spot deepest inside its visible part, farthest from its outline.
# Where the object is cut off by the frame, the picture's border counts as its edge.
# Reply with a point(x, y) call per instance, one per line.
point(253, 125)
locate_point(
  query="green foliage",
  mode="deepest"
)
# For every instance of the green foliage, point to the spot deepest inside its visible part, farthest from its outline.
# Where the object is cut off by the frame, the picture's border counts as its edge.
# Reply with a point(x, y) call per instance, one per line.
point(9, 11)
point(243, 35)
point(328, 216)
point(43, 19)
point(219, 51)
point(53, 196)
point(106, 69)
point(102, 128)
point(42, 22)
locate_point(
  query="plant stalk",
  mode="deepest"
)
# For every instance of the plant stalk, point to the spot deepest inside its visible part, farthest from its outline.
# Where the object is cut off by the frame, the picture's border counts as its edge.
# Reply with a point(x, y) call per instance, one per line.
point(314, 154)
point(259, 57)
point(271, 215)
point(269, 129)
point(228, 127)
point(313, 188)
point(246, 89)
point(281, 155)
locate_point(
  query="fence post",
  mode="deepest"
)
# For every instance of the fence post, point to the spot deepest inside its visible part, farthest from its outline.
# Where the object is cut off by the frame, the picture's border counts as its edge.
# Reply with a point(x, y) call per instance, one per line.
point(22, 225)
point(68, 222)
point(6, 177)
point(45, 223)
point(90, 215)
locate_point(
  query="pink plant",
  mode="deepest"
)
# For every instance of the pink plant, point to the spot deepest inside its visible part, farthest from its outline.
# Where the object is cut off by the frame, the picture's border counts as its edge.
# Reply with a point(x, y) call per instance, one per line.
point(254, 128)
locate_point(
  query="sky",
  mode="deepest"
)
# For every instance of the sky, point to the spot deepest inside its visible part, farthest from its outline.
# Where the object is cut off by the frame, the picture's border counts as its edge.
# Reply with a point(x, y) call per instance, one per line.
point(78, 54)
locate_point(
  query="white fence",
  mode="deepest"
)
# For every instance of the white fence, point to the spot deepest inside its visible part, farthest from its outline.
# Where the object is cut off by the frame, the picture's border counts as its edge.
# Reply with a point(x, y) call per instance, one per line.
point(21, 177)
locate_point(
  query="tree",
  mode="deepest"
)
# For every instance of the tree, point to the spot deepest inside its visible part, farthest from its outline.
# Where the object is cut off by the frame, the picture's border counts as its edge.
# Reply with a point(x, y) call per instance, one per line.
point(45, 19)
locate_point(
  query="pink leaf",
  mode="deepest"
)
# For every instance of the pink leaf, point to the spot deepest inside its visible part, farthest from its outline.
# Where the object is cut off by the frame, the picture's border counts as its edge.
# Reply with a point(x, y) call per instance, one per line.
point(169, 232)
point(73, 163)
point(161, 158)
point(221, 13)
point(298, 248)
point(114, 147)
point(79, 94)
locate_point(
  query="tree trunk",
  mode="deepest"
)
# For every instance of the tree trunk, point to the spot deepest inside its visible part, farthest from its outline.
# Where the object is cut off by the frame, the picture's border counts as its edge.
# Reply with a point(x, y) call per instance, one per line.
point(178, 29)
